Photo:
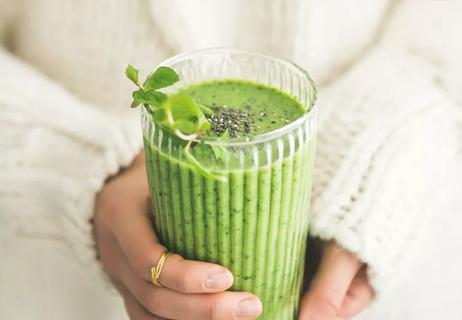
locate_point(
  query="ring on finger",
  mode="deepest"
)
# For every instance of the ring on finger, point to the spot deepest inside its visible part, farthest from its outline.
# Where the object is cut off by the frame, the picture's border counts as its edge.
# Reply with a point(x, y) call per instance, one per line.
point(157, 269)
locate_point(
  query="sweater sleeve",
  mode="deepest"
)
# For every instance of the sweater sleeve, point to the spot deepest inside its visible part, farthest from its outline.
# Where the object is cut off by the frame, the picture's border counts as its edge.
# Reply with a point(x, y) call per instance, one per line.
point(388, 132)
point(56, 153)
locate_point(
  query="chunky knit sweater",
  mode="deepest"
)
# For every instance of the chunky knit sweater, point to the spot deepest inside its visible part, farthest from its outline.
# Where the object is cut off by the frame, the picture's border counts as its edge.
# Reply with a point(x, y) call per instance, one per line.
point(389, 122)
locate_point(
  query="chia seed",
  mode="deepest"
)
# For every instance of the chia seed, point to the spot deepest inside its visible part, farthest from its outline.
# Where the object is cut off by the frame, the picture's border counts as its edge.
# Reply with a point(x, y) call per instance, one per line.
point(235, 121)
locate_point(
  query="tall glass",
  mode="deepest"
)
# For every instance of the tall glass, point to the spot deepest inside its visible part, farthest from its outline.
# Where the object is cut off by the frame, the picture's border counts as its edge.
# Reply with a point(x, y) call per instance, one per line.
point(256, 222)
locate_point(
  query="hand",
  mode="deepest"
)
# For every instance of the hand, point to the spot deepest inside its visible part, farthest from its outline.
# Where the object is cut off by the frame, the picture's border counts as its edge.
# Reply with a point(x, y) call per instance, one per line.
point(340, 288)
point(128, 248)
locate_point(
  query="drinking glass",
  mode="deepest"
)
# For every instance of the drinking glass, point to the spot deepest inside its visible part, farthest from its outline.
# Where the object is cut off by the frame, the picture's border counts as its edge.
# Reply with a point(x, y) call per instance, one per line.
point(255, 221)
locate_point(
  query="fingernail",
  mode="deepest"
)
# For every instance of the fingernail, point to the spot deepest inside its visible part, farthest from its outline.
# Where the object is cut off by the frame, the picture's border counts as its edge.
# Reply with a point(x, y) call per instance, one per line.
point(250, 307)
point(218, 280)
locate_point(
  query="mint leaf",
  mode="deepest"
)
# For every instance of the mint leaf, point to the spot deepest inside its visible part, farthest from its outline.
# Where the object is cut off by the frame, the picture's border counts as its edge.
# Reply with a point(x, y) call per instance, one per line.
point(204, 125)
point(185, 115)
point(207, 111)
point(160, 78)
point(153, 98)
point(149, 109)
point(135, 103)
point(199, 167)
point(177, 113)
point(132, 74)
point(159, 116)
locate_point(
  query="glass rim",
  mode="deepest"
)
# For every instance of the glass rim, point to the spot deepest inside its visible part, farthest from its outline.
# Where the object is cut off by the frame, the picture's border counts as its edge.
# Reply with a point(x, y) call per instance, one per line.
point(264, 137)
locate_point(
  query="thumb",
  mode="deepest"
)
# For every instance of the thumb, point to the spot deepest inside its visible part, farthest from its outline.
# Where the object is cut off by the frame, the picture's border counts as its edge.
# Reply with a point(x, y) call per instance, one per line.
point(336, 272)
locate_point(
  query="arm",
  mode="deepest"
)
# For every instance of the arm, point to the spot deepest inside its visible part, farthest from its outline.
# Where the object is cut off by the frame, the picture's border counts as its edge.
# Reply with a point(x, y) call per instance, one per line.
point(380, 155)
point(57, 152)
point(56, 155)
point(387, 139)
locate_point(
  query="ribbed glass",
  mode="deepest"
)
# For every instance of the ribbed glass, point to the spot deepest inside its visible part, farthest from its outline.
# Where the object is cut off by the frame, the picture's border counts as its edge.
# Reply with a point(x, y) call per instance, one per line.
point(256, 222)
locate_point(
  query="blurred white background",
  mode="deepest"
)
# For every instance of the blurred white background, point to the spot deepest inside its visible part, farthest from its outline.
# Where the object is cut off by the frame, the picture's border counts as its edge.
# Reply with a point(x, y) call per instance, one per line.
point(65, 126)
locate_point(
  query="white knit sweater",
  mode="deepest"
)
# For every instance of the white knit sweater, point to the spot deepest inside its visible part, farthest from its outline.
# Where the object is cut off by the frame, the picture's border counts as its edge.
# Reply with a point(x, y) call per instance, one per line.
point(390, 84)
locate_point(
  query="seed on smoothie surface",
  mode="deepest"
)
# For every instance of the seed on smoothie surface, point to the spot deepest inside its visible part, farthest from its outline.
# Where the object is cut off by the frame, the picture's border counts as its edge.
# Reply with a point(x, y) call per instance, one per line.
point(254, 108)
point(235, 121)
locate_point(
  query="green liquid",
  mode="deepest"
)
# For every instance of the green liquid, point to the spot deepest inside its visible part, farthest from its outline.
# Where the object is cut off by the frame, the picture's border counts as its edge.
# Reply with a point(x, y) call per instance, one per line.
point(269, 107)
point(255, 224)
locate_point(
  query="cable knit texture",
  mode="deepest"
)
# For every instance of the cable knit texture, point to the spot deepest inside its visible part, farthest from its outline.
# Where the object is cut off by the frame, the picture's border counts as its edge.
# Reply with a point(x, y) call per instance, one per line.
point(389, 126)
point(59, 152)
point(380, 161)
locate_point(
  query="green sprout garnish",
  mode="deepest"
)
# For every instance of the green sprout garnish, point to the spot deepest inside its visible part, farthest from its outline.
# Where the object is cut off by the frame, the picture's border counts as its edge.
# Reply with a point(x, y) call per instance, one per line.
point(177, 113)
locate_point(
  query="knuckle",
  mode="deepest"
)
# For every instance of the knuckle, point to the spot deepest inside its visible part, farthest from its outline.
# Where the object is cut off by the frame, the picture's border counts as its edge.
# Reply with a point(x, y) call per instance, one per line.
point(214, 307)
point(335, 295)
point(185, 276)
point(155, 305)
point(183, 280)
point(140, 269)
point(328, 306)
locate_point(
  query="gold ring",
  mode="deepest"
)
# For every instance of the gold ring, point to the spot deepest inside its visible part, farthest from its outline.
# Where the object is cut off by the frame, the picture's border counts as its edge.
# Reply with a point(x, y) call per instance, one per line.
point(157, 269)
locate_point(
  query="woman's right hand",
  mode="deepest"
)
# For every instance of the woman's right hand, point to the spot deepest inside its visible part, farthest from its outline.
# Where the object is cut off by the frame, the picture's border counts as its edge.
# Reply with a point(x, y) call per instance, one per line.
point(128, 248)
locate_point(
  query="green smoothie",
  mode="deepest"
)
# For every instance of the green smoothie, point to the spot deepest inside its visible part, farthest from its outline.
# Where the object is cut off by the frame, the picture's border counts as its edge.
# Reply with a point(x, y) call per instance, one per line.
point(255, 222)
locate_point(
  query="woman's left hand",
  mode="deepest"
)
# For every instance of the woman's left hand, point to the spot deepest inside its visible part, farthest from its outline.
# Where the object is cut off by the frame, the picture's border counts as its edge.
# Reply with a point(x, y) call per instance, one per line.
point(340, 289)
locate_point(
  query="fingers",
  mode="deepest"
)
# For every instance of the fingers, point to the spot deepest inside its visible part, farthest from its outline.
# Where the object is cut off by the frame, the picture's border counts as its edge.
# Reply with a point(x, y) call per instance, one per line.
point(330, 285)
point(139, 244)
point(358, 296)
point(170, 304)
point(214, 306)
point(194, 277)
point(129, 248)
point(134, 309)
